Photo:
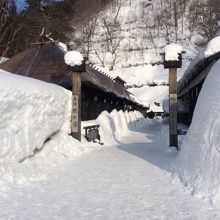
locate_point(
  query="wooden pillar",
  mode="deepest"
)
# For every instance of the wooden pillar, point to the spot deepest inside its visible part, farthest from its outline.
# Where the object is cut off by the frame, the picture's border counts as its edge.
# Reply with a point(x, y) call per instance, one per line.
point(173, 107)
point(76, 106)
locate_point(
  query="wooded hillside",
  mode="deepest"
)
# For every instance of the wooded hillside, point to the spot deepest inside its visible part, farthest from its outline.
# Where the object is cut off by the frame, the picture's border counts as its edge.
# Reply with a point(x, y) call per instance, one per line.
point(20, 28)
point(166, 19)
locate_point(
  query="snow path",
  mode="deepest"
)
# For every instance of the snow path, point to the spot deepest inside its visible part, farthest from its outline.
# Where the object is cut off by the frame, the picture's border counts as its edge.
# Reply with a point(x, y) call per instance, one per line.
point(129, 181)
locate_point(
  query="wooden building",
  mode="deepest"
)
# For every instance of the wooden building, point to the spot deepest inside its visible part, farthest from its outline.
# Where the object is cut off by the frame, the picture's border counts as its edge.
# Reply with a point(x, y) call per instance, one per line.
point(190, 84)
point(45, 61)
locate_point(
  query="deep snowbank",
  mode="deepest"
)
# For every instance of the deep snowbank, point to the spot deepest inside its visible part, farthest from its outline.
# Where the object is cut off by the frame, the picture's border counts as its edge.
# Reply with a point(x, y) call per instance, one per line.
point(116, 124)
point(62, 148)
point(198, 163)
point(31, 111)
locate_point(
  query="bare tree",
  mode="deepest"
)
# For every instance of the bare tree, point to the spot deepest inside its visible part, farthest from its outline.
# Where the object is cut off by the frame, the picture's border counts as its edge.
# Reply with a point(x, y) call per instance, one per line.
point(100, 55)
point(150, 32)
point(204, 18)
point(84, 36)
point(112, 38)
point(8, 31)
point(165, 24)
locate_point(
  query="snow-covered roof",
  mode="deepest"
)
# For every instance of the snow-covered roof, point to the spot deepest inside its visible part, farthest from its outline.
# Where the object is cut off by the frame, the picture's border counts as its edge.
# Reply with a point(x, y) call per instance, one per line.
point(104, 82)
point(155, 108)
point(202, 60)
point(148, 94)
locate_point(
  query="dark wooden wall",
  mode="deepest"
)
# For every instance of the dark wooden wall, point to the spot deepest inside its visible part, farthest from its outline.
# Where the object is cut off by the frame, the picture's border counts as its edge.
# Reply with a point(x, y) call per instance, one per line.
point(190, 97)
point(95, 101)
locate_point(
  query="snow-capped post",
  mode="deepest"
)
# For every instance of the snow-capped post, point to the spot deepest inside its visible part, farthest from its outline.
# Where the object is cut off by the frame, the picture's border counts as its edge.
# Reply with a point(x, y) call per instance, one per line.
point(172, 60)
point(77, 65)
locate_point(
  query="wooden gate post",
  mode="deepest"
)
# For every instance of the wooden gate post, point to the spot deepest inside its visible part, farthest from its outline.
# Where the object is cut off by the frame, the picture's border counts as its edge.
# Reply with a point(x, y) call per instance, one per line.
point(76, 101)
point(76, 106)
point(173, 107)
point(172, 63)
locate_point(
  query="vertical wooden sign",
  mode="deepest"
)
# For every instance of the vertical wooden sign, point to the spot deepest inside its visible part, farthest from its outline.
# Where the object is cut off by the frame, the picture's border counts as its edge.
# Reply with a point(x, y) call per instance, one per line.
point(172, 65)
point(76, 106)
point(173, 107)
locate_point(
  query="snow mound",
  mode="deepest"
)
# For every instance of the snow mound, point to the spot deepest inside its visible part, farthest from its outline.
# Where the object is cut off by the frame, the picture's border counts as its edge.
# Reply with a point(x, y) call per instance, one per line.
point(198, 163)
point(117, 124)
point(213, 47)
point(62, 46)
point(73, 58)
point(172, 52)
point(31, 111)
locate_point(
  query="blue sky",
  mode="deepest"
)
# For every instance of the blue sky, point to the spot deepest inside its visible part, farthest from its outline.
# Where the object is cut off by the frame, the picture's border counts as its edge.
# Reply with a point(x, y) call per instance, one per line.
point(20, 3)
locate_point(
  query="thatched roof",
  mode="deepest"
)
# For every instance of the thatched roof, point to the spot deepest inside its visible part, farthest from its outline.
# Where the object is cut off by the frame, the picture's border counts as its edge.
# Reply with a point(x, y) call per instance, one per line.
point(104, 82)
point(46, 62)
point(41, 61)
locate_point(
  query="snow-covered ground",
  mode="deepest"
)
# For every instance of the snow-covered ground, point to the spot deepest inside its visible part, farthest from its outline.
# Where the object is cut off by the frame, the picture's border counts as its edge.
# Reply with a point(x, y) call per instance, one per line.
point(129, 180)
point(46, 174)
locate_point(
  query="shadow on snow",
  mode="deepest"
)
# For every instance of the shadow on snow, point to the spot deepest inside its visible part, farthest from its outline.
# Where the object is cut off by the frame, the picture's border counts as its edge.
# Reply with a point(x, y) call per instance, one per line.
point(155, 150)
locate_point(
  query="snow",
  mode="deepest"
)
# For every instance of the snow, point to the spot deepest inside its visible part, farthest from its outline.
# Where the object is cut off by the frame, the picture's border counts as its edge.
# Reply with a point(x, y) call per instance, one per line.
point(63, 46)
point(172, 52)
point(126, 178)
point(141, 77)
point(138, 43)
point(144, 74)
point(212, 47)
point(35, 123)
point(148, 95)
point(155, 108)
point(198, 162)
point(129, 176)
point(109, 58)
point(115, 124)
point(73, 58)
point(129, 180)
point(31, 111)
point(3, 59)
